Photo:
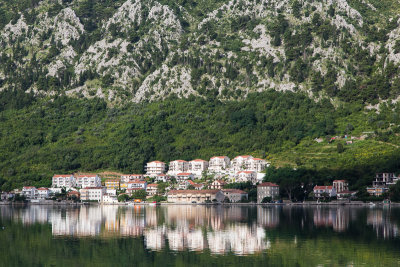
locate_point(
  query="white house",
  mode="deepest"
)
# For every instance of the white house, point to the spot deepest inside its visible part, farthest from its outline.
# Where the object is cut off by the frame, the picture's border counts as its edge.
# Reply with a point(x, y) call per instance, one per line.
point(241, 163)
point(198, 166)
point(137, 184)
point(219, 164)
point(246, 176)
point(110, 199)
point(30, 192)
point(152, 189)
point(61, 180)
point(257, 164)
point(43, 193)
point(88, 180)
point(178, 166)
point(267, 189)
point(217, 184)
point(131, 177)
point(183, 185)
point(162, 177)
point(321, 191)
point(154, 168)
point(92, 193)
point(184, 176)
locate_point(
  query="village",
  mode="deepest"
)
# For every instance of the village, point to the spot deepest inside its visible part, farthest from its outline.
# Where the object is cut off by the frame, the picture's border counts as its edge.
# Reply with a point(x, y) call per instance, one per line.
point(184, 182)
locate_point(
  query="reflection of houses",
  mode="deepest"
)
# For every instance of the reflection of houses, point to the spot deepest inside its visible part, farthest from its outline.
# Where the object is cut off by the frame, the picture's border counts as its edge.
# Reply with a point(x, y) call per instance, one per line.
point(199, 196)
point(383, 227)
point(338, 218)
point(268, 216)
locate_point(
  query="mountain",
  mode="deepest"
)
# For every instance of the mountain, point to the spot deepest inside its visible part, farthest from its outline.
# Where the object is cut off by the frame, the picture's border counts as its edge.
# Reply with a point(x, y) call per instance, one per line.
point(109, 85)
point(146, 50)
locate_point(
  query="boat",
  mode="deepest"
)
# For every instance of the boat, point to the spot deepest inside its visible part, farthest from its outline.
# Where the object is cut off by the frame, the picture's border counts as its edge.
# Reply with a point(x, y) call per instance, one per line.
point(154, 203)
point(371, 204)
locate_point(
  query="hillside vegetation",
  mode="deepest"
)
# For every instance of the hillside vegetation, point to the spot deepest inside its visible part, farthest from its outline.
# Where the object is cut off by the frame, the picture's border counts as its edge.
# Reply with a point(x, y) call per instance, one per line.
point(39, 137)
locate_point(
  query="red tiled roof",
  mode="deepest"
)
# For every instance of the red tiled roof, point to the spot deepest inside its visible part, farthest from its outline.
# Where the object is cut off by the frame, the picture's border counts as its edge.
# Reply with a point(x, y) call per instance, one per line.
point(207, 191)
point(244, 156)
point(184, 174)
point(137, 182)
point(267, 184)
point(248, 172)
point(43, 188)
point(317, 187)
point(218, 157)
point(237, 191)
point(152, 185)
point(257, 159)
point(156, 161)
point(29, 187)
point(341, 181)
point(62, 175)
point(220, 181)
point(191, 182)
point(199, 160)
point(161, 174)
point(85, 175)
point(179, 160)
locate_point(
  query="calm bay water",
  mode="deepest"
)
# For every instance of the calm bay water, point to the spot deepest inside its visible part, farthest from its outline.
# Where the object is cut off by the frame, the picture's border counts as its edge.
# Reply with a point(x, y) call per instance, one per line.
point(199, 236)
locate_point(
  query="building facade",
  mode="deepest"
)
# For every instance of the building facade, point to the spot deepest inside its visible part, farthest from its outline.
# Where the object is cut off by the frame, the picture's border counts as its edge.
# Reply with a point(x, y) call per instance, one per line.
point(43, 193)
point(198, 167)
point(219, 164)
point(178, 166)
point(340, 185)
point(112, 184)
point(152, 189)
point(184, 176)
point(324, 191)
point(267, 189)
point(154, 168)
point(241, 163)
point(30, 192)
point(131, 177)
point(217, 184)
point(88, 180)
point(234, 195)
point(92, 193)
point(198, 196)
point(246, 176)
point(67, 181)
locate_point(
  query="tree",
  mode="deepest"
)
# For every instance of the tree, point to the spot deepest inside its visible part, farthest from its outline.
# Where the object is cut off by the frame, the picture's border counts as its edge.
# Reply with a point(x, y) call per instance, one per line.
point(340, 148)
point(394, 192)
point(266, 200)
point(123, 198)
point(139, 194)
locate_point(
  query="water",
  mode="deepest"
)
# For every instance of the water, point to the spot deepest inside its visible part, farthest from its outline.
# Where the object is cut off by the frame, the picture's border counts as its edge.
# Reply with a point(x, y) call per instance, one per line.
point(199, 236)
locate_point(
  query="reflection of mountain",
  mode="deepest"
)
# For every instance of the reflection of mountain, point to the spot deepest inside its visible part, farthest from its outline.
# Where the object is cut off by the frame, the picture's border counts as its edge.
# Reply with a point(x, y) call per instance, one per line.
point(237, 229)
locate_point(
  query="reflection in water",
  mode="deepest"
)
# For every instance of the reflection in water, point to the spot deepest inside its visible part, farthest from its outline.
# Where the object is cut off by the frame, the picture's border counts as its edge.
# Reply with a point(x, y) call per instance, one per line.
point(219, 229)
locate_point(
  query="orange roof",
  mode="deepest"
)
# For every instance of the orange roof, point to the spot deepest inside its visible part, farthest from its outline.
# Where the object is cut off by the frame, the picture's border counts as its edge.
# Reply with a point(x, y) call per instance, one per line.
point(238, 191)
point(179, 160)
point(85, 175)
point(244, 156)
point(43, 188)
point(199, 160)
point(152, 185)
point(132, 175)
point(325, 187)
point(161, 174)
point(340, 181)
point(156, 161)
point(257, 159)
point(137, 182)
point(191, 182)
point(220, 181)
point(267, 184)
point(29, 187)
point(247, 172)
point(218, 157)
point(62, 175)
point(184, 174)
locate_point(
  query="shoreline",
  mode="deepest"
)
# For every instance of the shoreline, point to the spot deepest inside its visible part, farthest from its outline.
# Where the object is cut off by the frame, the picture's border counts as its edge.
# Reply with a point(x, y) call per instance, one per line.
point(300, 204)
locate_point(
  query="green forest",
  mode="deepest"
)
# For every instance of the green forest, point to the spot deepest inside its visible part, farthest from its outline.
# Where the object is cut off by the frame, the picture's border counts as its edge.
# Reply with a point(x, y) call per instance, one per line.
point(40, 137)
